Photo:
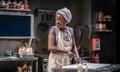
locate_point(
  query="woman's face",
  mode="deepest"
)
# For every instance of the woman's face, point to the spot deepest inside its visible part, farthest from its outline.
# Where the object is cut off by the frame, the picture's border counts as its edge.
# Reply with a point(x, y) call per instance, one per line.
point(60, 21)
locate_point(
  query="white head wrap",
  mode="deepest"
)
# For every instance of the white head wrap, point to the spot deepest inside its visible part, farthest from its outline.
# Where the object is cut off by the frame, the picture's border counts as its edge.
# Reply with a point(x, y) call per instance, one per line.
point(65, 12)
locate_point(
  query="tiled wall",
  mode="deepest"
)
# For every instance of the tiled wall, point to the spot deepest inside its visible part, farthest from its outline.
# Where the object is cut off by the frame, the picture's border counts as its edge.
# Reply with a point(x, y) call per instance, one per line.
point(8, 45)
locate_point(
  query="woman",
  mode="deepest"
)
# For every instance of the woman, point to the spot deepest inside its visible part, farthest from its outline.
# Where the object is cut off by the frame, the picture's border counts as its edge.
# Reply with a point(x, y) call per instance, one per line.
point(61, 43)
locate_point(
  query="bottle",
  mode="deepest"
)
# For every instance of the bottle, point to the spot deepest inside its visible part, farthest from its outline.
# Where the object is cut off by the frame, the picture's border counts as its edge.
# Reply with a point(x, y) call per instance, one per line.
point(24, 5)
point(3, 4)
point(85, 67)
point(29, 68)
point(7, 4)
point(80, 68)
point(104, 24)
point(12, 4)
point(18, 5)
point(100, 18)
point(96, 58)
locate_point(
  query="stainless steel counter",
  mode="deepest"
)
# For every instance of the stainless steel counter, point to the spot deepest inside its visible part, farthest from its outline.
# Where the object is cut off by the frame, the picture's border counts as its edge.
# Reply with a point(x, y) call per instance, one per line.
point(12, 58)
point(17, 59)
point(92, 67)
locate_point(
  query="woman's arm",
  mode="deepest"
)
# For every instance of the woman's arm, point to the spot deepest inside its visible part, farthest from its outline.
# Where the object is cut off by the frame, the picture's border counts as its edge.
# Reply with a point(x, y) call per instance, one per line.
point(51, 42)
point(75, 48)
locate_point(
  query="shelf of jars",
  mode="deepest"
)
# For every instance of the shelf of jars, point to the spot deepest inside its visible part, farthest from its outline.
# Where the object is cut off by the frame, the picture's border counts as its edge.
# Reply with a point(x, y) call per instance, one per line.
point(14, 6)
point(15, 10)
point(102, 21)
point(107, 30)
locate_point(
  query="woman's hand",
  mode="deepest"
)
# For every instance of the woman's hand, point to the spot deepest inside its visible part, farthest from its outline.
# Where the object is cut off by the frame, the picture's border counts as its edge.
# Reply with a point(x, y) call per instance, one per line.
point(76, 56)
point(70, 54)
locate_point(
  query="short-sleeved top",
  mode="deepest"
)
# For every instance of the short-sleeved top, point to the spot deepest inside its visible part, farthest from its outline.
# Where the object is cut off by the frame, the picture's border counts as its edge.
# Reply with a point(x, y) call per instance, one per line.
point(69, 36)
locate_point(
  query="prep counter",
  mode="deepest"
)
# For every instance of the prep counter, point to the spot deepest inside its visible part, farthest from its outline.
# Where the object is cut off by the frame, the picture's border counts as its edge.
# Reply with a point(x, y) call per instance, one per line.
point(9, 62)
point(92, 67)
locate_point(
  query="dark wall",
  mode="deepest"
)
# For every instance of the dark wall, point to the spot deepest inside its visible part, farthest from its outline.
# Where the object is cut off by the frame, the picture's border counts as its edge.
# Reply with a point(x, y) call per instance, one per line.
point(108, 39)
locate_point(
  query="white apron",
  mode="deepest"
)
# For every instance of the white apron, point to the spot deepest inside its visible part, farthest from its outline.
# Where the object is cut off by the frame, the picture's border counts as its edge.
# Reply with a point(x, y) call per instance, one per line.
point(57, 60)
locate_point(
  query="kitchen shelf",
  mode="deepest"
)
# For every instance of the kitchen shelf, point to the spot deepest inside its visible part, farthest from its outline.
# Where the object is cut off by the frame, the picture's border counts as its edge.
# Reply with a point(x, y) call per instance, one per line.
point(15, 10)
point(107, 30)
